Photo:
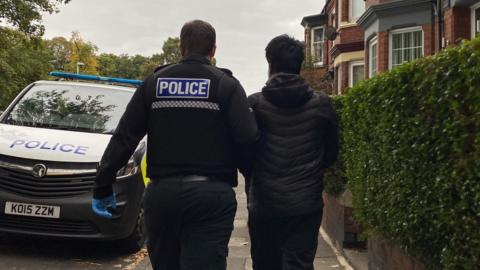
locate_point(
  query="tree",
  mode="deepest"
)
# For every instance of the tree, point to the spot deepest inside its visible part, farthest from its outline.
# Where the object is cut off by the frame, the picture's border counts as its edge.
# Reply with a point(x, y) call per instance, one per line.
point(171, 54)
point(171, 51)
point(149, 66)
point(123, 66)
point(27, 15)
point(107, 64)
point(82, 52)
point(130, 66)
point(23, 60)
point(138, 61)
point(61, 50)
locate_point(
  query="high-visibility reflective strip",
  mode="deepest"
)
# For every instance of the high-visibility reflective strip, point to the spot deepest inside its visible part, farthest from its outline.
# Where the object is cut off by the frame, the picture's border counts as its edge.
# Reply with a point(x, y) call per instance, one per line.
point(146, 180)
point(185, 104)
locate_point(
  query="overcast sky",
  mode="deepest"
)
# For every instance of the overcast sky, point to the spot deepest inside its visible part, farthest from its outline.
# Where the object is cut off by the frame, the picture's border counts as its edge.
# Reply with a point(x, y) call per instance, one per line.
point(140, 27)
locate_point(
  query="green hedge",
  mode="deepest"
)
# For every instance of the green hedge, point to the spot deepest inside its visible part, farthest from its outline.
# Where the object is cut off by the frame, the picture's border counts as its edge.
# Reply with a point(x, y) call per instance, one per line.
point(334, 179)
point(412, 156)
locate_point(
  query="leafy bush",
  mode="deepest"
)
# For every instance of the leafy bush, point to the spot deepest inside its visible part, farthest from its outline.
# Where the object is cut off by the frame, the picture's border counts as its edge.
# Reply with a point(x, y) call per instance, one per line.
point(412, 156)
point(334, 180)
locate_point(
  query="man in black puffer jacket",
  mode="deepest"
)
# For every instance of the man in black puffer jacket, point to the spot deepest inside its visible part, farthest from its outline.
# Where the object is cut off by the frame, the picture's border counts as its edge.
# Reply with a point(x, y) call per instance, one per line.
point(299, 141)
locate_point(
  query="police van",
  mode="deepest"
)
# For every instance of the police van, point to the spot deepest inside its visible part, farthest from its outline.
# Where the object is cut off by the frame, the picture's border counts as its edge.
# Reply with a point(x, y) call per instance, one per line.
point(52, 137)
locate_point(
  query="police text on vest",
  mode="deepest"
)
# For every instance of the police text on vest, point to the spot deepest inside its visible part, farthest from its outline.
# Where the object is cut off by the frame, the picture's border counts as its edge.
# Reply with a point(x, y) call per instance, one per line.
point(183, 88)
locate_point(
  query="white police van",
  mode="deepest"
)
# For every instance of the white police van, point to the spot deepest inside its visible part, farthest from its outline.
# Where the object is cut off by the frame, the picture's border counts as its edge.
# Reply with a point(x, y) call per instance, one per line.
point(52, 138)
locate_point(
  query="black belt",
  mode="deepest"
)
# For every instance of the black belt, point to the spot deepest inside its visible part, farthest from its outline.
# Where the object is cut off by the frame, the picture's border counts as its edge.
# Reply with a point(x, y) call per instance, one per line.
point(187, 178)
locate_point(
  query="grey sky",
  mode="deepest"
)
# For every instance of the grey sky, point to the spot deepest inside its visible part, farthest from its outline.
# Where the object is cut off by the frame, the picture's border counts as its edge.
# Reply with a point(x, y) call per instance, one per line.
point(140, 27)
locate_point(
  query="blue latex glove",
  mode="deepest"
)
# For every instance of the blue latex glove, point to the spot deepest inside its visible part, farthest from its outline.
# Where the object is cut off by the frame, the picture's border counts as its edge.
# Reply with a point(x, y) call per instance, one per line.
point(100, 206)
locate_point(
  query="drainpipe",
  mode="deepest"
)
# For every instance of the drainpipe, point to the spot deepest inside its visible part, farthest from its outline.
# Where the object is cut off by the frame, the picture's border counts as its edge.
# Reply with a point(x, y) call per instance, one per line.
point(432, 25)
point(440, 23)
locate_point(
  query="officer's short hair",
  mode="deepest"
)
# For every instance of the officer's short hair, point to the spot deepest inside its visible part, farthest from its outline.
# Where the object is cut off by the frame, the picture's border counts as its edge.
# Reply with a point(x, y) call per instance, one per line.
point(285, 54)
point(198, 37)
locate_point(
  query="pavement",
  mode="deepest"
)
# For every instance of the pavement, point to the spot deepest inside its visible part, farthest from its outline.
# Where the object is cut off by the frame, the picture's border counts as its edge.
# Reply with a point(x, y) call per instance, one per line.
point(239, 246)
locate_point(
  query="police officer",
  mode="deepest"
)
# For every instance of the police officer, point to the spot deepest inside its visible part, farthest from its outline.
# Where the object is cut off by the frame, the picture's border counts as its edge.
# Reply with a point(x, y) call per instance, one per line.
point(196, 117)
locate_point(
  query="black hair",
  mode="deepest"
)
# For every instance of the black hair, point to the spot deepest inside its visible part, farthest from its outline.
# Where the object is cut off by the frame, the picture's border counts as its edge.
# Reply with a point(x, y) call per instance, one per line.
point(198, 37)
point(285, 54)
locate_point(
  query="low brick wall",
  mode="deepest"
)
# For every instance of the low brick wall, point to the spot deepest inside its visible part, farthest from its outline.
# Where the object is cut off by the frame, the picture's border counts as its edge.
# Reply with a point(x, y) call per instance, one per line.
point(339, 224)
point(333, 220)
point(384, 255)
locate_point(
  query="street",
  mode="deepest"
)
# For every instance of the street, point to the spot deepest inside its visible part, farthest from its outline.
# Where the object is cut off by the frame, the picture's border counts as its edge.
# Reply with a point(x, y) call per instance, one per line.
point(25, 253)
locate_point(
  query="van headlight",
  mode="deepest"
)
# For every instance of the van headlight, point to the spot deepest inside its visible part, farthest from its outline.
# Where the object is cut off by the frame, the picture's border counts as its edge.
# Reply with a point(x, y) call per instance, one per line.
point(128, 170)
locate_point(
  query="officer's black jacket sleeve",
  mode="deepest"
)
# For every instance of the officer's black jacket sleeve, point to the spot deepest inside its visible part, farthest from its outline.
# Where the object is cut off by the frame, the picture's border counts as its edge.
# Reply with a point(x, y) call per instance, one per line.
point(131, 129)
point(241, 120)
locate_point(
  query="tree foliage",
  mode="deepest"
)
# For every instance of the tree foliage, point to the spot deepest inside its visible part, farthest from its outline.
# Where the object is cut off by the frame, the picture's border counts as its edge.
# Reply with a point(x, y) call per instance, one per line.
point(61, 50)
point(27, 15)
point(171, 51)
point(137, 66)
point(23, 60)
point(82, 52)
point(123, 66)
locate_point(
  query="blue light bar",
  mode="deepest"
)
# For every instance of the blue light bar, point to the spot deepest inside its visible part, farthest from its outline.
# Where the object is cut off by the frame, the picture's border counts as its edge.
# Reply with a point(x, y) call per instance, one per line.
point(93, 78)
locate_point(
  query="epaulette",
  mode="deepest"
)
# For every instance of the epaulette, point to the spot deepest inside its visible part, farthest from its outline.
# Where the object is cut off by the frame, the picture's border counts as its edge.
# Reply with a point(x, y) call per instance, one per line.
point(161, 67)
point(227, 71)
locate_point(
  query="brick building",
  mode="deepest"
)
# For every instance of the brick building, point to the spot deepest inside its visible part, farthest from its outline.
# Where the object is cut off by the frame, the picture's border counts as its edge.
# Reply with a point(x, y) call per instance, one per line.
point(398, 31)
point(461, 19)
point(391, 31)
point(340, 52)
point(315, 71)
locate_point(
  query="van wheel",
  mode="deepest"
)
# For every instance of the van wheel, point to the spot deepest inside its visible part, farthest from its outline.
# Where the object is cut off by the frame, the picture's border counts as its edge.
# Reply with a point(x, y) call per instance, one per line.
point(135, 241)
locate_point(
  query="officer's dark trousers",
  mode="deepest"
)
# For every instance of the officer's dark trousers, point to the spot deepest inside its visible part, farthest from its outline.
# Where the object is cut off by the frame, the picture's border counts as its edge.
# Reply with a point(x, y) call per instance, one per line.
point(189, 224)
point(284, 243)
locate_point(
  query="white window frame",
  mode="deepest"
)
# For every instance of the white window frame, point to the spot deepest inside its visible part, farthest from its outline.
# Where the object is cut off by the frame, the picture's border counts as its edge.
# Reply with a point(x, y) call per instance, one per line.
point(339, 12)
point(351, 65)
point(312, 43)
point(399, 31)
point(334, 21)
point(371, 43)
point(350, 10)
point(472, 20)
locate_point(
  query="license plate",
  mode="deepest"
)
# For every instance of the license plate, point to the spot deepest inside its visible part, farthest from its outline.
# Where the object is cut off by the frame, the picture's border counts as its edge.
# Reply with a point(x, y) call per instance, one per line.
point(32, 210)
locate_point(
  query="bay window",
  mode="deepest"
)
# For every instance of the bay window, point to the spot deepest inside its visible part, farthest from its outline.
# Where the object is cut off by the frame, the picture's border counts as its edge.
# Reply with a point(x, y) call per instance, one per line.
point(405, 45)
point(373, 58)
point(357, 8)
point(356, 73)
point(317, 45)
point(475, 20)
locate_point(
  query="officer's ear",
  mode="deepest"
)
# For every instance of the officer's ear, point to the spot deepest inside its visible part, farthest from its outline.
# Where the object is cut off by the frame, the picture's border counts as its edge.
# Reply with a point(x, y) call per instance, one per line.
point(183, 51)
point(214, 50)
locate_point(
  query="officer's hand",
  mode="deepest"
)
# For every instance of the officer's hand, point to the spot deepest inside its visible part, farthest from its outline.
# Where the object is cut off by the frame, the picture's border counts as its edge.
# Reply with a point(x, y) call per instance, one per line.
point(101, 206)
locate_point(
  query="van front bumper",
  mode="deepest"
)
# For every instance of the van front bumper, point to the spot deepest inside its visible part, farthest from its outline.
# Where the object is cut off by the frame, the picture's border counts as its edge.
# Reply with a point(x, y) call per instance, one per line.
point(77, 219)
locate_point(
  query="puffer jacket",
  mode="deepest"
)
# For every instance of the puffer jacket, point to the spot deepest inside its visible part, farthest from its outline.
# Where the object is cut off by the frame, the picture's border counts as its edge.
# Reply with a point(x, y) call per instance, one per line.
point(299, 141)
